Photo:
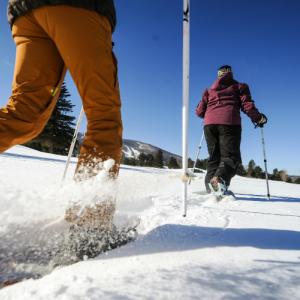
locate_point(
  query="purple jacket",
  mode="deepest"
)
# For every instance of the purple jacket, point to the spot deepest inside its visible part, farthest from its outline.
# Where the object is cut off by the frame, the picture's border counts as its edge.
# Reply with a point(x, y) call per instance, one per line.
point(222, 102)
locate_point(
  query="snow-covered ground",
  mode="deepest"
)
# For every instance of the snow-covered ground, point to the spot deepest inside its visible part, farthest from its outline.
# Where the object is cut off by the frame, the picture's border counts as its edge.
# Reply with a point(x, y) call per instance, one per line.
point(243, 249)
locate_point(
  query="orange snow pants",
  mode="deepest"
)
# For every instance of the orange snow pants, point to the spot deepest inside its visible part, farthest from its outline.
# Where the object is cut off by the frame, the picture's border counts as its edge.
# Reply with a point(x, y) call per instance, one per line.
point(49, 40)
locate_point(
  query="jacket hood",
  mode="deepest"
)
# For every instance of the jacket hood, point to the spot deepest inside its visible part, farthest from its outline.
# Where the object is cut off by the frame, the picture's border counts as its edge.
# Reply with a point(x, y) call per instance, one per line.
point(223, 82)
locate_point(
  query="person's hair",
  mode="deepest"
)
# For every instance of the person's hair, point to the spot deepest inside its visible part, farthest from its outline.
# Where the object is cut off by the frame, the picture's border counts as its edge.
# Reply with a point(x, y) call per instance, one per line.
point(223, 70)
point(225, 67)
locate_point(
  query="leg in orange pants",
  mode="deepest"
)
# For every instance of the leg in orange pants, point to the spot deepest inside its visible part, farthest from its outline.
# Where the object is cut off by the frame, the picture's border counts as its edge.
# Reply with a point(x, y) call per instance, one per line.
point(48, 39)
point(39, 71)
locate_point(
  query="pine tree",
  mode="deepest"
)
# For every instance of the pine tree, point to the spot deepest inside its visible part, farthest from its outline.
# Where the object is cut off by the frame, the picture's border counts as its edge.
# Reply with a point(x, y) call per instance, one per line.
point(241, 170)
point(190, 163)
point(258, 172)
point(149, 160)
point(142, 159)
point(58, 133)
point(173, 164)
point(158, 159)
point(275, 175)
point(250, 170)
point(201, 164)
point(130, 161)
point(123, 157)
point(297, 180)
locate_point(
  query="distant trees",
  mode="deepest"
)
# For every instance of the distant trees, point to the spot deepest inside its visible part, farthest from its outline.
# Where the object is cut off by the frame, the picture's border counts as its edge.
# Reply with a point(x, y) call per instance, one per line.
point(158, 159)
point(275, 175)
point(241, 170)
point(201, 164)
point(142, 159)
point(255, 171)
point(150, 160)
point(173, 164)
point(297, 180)
point(280, 176)
point(190, 163)
point(258, 172)
point(130, 161)
point(145, 160)
point(252, 170)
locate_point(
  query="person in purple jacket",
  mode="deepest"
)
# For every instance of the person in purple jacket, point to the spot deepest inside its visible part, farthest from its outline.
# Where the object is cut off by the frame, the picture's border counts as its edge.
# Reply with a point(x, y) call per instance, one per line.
point(220, 107)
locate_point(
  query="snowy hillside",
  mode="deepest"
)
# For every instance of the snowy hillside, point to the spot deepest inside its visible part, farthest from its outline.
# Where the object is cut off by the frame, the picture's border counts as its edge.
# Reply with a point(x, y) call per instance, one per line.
point(243, 249)
point(133, 149)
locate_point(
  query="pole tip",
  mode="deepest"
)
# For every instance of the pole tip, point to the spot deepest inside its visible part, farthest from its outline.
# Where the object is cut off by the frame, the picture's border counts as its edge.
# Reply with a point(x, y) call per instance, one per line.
point(184, 216)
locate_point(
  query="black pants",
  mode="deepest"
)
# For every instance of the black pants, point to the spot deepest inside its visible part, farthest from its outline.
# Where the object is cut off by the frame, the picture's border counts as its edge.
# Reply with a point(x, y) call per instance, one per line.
point(223, 144)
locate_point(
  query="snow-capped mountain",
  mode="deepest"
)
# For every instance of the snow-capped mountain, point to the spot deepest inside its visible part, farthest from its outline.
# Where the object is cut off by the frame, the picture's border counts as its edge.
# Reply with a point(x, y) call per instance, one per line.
point(133, 149)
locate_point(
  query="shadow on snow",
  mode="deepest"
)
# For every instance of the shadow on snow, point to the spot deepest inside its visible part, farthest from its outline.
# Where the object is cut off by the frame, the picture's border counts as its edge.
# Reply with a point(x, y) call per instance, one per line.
point(28, 252)
point(262, 198)
point(173, 238)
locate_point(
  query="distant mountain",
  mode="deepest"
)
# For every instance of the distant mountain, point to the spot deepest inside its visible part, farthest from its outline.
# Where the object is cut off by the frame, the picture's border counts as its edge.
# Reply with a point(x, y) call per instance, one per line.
point(132, 149)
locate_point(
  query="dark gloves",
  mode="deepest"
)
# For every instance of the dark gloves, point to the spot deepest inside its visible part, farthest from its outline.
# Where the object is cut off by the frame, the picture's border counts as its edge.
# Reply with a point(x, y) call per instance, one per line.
point(263, 120)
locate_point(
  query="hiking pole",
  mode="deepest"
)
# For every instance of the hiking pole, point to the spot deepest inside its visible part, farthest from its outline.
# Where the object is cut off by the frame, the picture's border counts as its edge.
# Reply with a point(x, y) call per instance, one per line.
point(73, 143)
point(185, 100)
point(197, 156)
point(265, 161)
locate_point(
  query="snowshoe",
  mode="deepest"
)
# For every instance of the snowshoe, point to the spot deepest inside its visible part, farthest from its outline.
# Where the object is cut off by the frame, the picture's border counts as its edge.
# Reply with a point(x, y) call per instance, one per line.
point(220, 190)
point(85, 242)
point(92, 232)
point(90, 242)
point(218, 186)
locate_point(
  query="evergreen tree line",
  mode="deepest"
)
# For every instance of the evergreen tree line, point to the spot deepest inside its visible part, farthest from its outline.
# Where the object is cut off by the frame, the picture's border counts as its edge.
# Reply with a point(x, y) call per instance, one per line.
point(150, 160)
point(255, 171)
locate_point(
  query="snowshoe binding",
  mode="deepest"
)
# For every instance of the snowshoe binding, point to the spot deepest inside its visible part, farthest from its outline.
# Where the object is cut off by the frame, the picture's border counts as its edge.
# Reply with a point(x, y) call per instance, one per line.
point(218, 187)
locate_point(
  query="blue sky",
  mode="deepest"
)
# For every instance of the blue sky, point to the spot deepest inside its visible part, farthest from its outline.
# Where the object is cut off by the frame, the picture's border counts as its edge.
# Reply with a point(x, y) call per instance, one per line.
point(259, 39)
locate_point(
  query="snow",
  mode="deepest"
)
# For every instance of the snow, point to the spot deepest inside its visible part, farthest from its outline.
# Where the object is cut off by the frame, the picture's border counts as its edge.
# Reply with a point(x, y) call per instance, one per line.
point(129, 152)
point(243, 249)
